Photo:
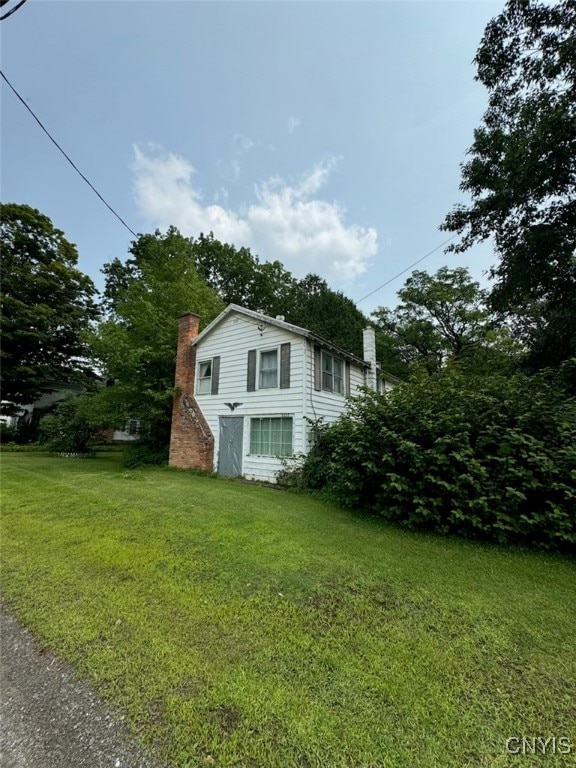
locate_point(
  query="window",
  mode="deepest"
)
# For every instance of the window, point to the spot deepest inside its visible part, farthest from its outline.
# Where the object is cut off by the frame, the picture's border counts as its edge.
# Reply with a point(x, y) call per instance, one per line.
point(133, 427)
point(271, 436)
point(332, 374)
point(204, 386)
point(268, 369)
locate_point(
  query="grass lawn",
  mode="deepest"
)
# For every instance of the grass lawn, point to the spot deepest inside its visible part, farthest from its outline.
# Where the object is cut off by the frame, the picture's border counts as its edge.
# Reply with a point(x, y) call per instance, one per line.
point(242, 626)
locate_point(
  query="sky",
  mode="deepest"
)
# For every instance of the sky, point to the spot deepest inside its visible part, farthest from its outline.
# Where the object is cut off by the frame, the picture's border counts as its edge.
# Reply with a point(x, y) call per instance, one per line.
point(327, 135)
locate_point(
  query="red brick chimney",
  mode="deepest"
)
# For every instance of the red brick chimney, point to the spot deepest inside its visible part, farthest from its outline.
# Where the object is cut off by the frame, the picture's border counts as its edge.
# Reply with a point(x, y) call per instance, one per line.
point(191, 440)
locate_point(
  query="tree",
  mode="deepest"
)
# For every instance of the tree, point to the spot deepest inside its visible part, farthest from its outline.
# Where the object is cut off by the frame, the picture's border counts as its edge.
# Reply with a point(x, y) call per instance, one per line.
point(522, 173)
point(46, 306)
point(441, 317)
point(330, 314)
point(136, 345)
point(239, 277)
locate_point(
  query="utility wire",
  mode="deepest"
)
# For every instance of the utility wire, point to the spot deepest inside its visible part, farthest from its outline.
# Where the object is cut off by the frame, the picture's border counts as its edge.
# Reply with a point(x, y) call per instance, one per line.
point(92, 187)
point(407, 268)
point(12, 10)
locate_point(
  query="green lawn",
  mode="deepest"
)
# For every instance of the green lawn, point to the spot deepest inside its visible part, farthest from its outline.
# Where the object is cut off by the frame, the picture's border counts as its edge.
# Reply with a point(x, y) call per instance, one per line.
point(244, 626)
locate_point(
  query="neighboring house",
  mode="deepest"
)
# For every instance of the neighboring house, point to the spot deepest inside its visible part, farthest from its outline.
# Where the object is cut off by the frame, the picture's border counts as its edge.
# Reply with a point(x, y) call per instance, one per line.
point(249, 385)
point(32, 413)
point(129, 434)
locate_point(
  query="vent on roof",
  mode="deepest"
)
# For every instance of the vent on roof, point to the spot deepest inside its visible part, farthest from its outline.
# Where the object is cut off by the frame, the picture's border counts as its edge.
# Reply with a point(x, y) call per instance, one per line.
point(280, 317)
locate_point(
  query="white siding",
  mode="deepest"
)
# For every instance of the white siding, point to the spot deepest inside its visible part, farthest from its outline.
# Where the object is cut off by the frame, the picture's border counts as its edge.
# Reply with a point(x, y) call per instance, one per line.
point(328, 405)
point(231, 340)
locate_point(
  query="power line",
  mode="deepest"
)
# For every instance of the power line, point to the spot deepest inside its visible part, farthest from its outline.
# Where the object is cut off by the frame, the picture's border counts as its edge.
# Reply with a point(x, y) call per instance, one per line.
point(92, 187)
point(12, 10)
point(407, 268)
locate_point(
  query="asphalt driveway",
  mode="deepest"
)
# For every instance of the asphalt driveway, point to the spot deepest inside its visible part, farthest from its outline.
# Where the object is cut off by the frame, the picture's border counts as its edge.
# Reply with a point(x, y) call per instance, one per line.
point(48, 718)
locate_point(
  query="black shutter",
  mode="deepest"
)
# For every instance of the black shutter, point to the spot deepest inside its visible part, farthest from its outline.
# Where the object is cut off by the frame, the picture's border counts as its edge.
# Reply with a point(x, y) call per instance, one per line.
point(251, 377)
point(285, 366)
point(317, 368)
point(347, 385)
point(215, 375)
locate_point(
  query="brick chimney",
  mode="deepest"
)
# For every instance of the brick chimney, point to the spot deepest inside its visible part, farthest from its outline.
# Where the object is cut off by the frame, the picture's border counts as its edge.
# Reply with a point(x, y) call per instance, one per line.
point(369, 354)
point(191, 440)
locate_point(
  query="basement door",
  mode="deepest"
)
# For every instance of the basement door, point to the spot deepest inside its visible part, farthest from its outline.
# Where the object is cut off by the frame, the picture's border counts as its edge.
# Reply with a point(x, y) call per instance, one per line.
point(230, 446)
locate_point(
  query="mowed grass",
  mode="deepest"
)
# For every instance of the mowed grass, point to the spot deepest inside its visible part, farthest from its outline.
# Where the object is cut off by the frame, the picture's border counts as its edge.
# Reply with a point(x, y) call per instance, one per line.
point(236, 625)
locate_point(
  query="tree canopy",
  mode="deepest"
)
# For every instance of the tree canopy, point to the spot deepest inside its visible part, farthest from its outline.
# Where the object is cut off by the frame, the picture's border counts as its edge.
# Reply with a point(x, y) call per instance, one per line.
point(135, 345)
point(444, 317)
point(314, 305)
point(521, 174)
point(239, 277)
point(47, 304)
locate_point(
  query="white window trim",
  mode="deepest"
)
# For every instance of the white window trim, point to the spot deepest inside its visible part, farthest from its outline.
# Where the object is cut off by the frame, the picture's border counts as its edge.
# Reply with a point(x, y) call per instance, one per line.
point(270, 455)
point(332, 374)
point(259, 367)
point(204, 378)
point(133, 427)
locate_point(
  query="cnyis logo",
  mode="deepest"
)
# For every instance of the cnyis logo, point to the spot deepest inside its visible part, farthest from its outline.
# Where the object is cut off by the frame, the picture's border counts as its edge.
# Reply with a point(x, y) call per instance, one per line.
point(539, 745)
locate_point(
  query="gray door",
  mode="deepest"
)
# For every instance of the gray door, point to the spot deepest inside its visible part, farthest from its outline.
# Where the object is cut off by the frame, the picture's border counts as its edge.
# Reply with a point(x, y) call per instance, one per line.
point(230, 446)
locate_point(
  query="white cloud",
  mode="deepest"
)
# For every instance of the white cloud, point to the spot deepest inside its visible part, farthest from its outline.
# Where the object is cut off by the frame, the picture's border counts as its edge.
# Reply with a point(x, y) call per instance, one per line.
point(286, 221)
point(165, 195)
point(293, 123)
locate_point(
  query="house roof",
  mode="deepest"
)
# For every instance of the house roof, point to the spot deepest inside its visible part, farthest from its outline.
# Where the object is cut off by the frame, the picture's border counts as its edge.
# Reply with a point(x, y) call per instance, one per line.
point(260, 317)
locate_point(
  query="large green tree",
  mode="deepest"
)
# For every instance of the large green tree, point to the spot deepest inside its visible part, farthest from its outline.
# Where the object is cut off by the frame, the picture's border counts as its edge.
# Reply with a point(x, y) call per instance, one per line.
point(443, 317)
point(135, 346)
point(47, 304)
point(314, 305)
point(239, 277)
point(521, 175)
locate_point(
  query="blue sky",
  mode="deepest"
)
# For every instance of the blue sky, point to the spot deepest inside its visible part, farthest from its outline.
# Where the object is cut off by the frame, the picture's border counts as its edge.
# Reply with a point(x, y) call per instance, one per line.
point(327, 135)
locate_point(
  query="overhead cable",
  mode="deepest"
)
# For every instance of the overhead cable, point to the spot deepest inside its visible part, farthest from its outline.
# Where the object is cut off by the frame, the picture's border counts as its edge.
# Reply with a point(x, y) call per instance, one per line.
point(53, 140)
point(12, 10)
point(407, 269)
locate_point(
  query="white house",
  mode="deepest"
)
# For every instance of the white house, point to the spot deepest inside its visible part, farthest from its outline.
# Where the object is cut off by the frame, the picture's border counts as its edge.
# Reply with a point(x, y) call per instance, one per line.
point(249, 385)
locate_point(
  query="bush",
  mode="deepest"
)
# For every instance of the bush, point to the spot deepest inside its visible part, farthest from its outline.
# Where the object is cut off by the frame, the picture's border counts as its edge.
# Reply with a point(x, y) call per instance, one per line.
point(68, 430)
point(141, 454)
point(7, 433)
point(17, 448)
point(486, 457)
point(292, 473)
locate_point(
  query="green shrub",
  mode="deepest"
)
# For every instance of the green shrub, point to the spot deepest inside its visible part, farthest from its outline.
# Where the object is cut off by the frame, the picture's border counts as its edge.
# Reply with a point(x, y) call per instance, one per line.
point(292, 473)
point(7, 433)
point(17, 448)
point(490, 457)
point(68, 430)
point(141, 454)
